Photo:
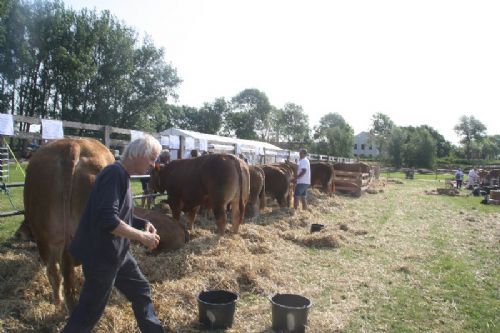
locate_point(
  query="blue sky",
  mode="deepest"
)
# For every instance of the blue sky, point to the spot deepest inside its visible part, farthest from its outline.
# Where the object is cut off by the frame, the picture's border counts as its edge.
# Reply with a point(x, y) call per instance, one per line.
point(420, 62)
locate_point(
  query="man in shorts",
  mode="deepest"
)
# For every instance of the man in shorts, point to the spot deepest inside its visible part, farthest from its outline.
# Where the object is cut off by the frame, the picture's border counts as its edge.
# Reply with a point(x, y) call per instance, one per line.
point(302, 180)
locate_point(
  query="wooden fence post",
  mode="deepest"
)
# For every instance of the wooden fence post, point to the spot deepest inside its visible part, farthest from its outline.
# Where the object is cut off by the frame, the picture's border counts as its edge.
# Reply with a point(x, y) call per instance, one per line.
point(107, 133)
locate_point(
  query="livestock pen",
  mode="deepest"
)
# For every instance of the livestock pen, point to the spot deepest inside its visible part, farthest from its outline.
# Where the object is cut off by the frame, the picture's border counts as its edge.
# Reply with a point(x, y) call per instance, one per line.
point(405, 261)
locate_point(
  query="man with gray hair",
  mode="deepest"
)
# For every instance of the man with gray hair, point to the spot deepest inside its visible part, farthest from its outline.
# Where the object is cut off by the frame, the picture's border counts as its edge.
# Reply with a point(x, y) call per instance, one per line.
point(102, 241)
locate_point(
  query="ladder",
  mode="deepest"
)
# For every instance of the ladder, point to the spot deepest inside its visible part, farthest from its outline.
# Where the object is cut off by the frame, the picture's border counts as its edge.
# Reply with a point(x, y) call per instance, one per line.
point(4, 164)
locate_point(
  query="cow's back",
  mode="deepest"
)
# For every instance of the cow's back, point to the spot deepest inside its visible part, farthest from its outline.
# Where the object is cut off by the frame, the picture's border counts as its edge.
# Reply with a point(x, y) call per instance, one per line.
point(58, 181)
point(173, 235)
point(277, 182)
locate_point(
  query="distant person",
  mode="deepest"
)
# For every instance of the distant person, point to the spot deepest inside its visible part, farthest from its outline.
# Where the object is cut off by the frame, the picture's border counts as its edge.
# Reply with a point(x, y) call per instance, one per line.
point(471, 180)
point(164, 157)
point(191, 154)
point(302, 180)
point(459, 177)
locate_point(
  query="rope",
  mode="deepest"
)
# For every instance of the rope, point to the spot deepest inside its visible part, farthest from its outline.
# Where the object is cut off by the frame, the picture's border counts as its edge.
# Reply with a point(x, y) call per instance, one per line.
point(18, 165)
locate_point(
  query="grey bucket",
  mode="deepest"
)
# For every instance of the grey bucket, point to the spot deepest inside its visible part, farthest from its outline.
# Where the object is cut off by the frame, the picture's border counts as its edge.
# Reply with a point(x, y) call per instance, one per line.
point(289, 312)
point(216, 308)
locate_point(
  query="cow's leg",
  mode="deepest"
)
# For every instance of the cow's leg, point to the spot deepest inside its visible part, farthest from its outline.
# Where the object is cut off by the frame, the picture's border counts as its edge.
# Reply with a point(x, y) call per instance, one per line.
point(237, 216)
point(70, 290)
point(54, 275)
point(176, 210)
point(191, 217)
point(220, 218)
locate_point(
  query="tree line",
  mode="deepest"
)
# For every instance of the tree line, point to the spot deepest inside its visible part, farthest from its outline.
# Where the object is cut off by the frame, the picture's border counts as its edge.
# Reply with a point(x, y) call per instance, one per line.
point(90, 67)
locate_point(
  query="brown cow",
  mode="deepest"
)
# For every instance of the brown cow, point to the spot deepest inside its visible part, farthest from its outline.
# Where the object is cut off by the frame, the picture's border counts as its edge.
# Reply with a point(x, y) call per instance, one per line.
point(257, 199)
point(173, 235)
point(278, 184)
point(23, 233)
point(322, 175)
point(214, 180)
point(58, 182)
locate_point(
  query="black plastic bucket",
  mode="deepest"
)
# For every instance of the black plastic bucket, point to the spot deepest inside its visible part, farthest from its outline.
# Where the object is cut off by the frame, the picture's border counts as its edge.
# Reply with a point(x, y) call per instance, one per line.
point(317, 227)
point(216, 308)
point(289, 313)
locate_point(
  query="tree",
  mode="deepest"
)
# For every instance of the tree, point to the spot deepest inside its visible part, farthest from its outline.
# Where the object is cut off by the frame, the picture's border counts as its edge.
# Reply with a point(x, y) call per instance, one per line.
point(255, 107)
point(212, 116)
point(420, 148)
point(82, 66)
point(292, 126)
point(337, 133)
point(396, 146)
point(242, 124)
point(380, 131)
point(471, 130)
point(443, 147)
point(490, 147)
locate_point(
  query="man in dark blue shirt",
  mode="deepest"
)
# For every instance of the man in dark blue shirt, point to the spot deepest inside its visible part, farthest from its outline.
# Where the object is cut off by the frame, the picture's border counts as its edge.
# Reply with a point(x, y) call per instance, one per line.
point(102, 241)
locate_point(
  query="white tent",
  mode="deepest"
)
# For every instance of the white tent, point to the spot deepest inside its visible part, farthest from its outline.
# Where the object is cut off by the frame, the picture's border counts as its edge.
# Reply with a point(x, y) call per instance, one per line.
point(249, 148)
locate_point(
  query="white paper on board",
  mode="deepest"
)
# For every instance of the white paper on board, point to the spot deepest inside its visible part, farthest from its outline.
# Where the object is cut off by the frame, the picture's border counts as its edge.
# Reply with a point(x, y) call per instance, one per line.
point(52, 129)
point(134, 135)
point(6, 124)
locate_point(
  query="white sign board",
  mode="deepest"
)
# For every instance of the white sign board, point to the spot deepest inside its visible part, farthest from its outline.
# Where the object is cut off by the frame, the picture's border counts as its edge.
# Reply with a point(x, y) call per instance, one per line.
point(189, 143)
point(134, 135)
point(203, 144)
point(6, 124)
point(174, 142)
point(165, 141)
point(52, 129)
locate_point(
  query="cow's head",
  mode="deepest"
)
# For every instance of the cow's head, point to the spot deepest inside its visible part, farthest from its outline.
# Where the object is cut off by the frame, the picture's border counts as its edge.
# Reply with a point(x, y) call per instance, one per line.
point(155, 178)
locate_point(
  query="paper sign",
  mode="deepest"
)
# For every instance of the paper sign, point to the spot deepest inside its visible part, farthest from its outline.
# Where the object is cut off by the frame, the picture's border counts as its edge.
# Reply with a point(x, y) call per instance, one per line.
point(164, 140)
point(134, 135)
point(6, 124)
point(174, 142)
point(189, 143)
point(52, 129)
point(203, 144)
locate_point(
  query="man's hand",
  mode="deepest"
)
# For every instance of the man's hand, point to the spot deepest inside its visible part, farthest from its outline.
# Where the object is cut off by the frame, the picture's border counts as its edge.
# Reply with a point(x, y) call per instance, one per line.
point(150, 240)
point(149, 227)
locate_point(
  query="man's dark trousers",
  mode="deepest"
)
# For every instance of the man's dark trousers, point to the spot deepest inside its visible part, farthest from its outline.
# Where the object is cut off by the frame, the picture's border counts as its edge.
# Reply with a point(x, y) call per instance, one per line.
point(94, 296)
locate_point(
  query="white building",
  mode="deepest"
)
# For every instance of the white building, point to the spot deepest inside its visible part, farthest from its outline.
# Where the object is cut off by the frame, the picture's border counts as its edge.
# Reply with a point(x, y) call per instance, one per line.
point(363, 147)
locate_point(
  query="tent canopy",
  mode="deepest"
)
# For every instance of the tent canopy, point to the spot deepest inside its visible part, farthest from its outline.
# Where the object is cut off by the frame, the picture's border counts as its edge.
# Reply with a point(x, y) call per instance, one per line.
point(256, 147)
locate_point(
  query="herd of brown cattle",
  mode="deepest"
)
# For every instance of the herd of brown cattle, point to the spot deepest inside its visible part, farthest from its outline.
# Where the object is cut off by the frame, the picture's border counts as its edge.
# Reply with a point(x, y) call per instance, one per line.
point(60, 175)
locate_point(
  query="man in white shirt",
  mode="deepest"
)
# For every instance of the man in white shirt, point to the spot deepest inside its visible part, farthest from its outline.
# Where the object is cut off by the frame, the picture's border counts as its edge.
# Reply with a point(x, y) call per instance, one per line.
point(302, 180)
point(472, 177)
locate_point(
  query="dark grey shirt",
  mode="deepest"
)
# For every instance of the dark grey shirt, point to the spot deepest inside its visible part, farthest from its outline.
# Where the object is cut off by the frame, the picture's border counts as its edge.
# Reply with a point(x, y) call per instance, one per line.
point(110, 201)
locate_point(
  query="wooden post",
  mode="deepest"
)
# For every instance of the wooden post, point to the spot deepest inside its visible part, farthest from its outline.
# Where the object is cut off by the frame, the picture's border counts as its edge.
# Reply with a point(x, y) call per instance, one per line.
point(107, 134)
point(182, 144)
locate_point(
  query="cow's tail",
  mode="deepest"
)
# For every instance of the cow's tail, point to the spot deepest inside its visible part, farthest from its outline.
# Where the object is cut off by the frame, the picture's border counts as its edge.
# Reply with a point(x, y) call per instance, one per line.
point(262, 194)
point(69, 163)
point(240, 181)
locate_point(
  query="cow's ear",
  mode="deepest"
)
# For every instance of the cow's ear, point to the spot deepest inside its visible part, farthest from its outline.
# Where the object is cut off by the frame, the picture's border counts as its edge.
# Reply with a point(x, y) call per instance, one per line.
point(157, 166)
